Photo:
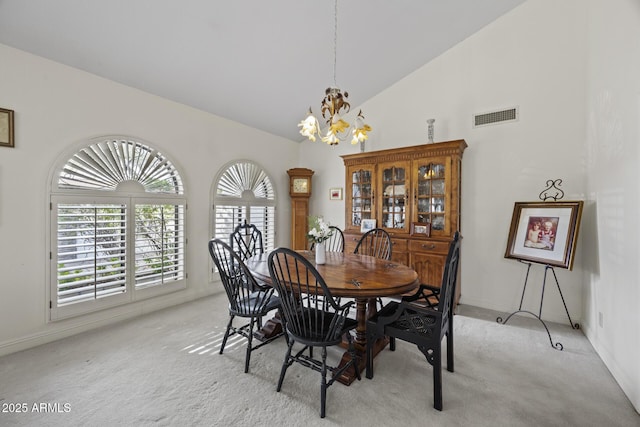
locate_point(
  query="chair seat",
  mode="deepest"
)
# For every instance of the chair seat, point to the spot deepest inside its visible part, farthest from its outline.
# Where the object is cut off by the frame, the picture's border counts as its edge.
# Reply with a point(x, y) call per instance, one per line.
point(314, 335)
point(410, 322)
point(425, 296)
point(254, 305)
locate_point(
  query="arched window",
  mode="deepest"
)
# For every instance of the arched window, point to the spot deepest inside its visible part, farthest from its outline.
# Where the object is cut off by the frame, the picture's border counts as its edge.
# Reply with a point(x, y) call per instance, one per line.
point(243, 192)
point(117, 227)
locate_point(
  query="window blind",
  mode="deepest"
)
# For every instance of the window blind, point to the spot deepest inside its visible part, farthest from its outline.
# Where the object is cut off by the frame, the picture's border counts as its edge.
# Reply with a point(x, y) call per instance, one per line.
point(91, 251)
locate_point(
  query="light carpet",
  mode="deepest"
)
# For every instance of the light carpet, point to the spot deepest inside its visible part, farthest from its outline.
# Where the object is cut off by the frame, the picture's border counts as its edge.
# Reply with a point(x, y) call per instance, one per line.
point(164, 369)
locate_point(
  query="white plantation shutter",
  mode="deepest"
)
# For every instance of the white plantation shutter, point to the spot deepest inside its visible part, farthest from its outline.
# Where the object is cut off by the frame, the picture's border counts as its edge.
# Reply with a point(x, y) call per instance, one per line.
point(244, 193)
point(111, 244)
point(226, 219)
point(265, 219)
point(110, 162)
point(159, 247)
point(245, 176)
point(91, 252)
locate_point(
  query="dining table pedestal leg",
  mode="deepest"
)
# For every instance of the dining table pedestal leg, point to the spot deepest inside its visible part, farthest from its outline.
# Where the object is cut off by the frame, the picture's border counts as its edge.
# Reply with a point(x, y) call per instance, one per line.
point(270, 329)
point(365, 308)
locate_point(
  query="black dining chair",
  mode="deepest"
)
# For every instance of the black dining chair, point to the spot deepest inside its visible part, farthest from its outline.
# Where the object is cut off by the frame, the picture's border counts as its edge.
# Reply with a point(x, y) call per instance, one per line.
point(247, 298)
point(246, 240)
point(335, 243)
point(416, 320)
point(312, 318)
point(375, 242)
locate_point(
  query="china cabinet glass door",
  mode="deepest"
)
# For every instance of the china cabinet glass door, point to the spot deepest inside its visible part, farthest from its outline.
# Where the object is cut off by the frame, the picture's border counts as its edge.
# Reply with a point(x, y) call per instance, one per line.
point(431, 193)
point(361, 194)
point(394, 186)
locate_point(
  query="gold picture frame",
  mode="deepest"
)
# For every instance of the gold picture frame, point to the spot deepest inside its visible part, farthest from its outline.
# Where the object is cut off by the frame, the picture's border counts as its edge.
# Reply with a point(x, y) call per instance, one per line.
point(6, 128)
point(544, 232)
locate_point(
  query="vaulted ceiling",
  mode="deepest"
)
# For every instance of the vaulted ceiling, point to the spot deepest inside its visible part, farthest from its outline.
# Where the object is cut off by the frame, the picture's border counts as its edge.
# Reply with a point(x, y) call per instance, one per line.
point(258, 62)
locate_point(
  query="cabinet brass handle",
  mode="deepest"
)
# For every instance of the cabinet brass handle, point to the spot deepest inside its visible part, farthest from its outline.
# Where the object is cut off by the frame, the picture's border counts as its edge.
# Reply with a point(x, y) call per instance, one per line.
point(432, 246)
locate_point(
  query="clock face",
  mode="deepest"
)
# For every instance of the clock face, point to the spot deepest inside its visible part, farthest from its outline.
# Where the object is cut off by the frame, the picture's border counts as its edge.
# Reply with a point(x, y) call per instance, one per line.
point(300, 185)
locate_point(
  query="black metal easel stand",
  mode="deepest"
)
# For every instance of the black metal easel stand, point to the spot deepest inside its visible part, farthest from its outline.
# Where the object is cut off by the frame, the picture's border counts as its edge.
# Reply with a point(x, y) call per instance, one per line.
point(557, 345)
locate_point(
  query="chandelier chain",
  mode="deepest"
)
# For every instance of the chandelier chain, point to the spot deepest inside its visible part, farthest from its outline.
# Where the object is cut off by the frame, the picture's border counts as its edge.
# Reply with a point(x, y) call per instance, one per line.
point(335, 41)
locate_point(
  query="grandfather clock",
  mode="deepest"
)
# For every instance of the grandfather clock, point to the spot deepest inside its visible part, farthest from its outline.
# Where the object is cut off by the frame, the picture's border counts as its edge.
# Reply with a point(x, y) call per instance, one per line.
point(300, 191)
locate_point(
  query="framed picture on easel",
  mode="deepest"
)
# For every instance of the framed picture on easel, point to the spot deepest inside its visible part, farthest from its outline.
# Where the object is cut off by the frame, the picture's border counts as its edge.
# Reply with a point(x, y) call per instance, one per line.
point(544, 232)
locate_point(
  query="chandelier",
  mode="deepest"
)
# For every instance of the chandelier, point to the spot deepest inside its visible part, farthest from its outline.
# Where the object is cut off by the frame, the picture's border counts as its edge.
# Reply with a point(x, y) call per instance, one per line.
point(333, 105)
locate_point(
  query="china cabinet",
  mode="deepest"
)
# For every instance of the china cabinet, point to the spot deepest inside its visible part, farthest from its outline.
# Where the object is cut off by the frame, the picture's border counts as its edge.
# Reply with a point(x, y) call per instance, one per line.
point(414, 194)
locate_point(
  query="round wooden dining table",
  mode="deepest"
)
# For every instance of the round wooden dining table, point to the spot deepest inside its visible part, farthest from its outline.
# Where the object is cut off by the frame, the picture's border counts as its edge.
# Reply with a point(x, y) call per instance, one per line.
point(361, 277)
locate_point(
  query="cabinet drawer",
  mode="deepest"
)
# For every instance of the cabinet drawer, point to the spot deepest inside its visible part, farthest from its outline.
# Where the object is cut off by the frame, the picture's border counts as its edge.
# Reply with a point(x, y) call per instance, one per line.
point(399, 245)
point(429, 246)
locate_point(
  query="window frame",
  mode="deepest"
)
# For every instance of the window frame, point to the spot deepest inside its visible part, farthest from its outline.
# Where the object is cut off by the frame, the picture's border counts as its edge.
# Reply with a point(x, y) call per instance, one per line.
point(245, 202)
point(128, 197)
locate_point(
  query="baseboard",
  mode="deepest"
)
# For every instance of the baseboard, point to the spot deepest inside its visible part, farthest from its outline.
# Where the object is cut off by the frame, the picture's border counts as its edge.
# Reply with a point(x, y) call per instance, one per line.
point(553, 317)
point(64, 329)
point(627, 384)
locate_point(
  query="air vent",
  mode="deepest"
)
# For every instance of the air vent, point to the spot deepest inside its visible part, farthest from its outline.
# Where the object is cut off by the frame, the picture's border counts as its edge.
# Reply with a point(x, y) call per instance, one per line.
point(494, 117)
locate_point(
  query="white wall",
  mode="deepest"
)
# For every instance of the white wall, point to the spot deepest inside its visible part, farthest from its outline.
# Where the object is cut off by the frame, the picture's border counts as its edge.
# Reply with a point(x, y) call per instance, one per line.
point(576, 84)
point(613, 135)
point(509, 63)
point(56, 107)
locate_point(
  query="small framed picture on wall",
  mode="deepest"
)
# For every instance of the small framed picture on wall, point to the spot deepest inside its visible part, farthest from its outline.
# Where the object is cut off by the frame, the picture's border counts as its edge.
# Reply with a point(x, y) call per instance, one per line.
point(335, 194)
point(6, 128)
